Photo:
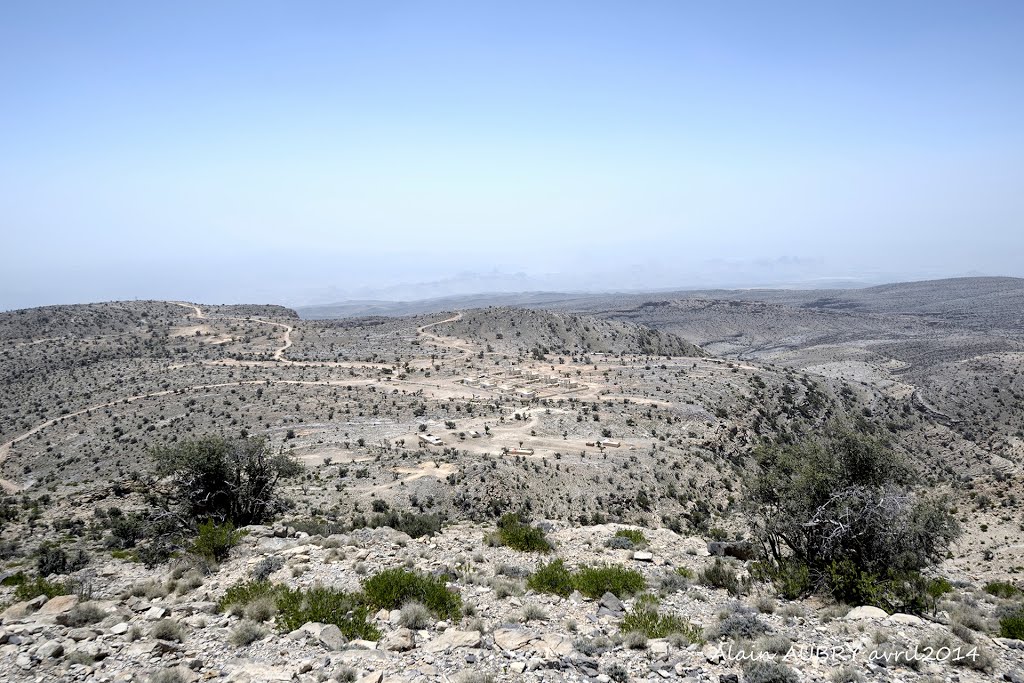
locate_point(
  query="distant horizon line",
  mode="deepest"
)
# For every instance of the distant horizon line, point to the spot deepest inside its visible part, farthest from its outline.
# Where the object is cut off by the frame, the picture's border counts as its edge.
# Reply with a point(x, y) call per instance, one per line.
point(795, 286)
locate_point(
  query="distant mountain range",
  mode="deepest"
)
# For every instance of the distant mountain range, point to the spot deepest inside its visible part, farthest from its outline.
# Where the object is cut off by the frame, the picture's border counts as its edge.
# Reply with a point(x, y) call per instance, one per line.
point(942, 297)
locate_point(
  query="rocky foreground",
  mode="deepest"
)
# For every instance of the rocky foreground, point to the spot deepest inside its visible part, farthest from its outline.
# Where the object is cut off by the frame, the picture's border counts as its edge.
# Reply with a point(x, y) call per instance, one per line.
point(164, 625)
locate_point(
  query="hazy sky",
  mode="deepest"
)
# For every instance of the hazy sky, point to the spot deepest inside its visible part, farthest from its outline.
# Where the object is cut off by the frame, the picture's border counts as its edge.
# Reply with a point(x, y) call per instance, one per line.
point(302, 151)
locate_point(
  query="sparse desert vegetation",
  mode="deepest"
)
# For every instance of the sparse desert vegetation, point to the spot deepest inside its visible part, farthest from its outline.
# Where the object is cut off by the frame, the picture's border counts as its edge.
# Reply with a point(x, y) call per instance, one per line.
point(542, 495)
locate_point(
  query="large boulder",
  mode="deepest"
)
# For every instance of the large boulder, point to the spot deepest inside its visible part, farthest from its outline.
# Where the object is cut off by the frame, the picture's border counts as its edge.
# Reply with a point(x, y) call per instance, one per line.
point(866, 612)
point(610, 606)
point(513, 638)
point(399, 641)
point(453, 638)
point(58, 605)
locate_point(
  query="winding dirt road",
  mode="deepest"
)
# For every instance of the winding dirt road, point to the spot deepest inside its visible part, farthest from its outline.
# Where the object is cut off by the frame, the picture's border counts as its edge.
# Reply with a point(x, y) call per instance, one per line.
point(278, 352)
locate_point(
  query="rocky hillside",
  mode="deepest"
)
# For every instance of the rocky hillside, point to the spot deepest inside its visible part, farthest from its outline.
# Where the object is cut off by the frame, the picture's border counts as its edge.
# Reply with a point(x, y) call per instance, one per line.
point(520, 330)
point(669, 615)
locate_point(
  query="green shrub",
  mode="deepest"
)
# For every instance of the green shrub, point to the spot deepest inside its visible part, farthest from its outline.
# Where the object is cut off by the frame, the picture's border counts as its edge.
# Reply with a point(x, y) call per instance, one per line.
point(634, 536)
point(52, 559)
point(392, 588)
point(215, 541)
point(850, 585)
point(126, 555)
point(939, 587)
point(791, 578)
point(552, 578)
point(644, 618)
point(721, 575)
point(125, 531)
point(685, 572)
point(1002, 589)
point(241, 594)
point(908, 592)
point(31, 588)
point(1012, 626)
point(594, 582)
point(844, 497)
point(226, 480)
point(414, 524)
point(15, 579)
point(347, 611)
point(512, 533)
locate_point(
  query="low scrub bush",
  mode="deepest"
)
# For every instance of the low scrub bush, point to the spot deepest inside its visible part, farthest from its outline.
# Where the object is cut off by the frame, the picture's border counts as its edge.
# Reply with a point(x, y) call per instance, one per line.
point(414, 524)
point(52, 559)
point(1002, 589)
point(260, 609)
point(1012, 626)
point(83, 614)
point(414, 616)
point(619, 543)
point(31, 588)
point(267, 566)
point(241, 594)
point(960, 653)
point(168, 629)
point(552, 578)
point(672, 582)
point(740, 623)
point(215, 541)
point(627, 539)
point(246, 633)
point(347, 611)
point(721, 575)
point(778, 645)
point(533, 612)
point(645, 618)
point(592, 582)
point(392, 588)
point(768, 671)
point(513, 533)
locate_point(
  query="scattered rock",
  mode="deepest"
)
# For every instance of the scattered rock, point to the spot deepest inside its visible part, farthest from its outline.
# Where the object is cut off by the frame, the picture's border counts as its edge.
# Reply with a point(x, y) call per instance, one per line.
point(866, 612)
point(513, 638)
point(20, 610)
point(330, 637)
point(453, 638)
point(401, 640)
point(904, 619)
point(155, 613)
point(58, 605)
point(611, 606)
point(51, 649)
